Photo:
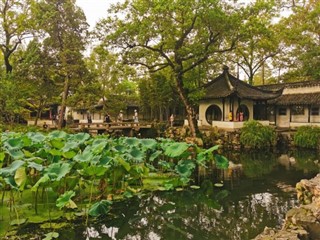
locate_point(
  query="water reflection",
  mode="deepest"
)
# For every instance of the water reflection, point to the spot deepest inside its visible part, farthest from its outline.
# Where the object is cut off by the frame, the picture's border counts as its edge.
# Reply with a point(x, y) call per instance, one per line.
point(258, 190)
point(183, 216)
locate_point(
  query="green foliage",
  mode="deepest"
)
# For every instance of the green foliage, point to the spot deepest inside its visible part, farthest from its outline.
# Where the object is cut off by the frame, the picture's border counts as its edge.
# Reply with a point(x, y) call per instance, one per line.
point(307, 137)
point(255, 135)
point(100, 208)
point(80, 170)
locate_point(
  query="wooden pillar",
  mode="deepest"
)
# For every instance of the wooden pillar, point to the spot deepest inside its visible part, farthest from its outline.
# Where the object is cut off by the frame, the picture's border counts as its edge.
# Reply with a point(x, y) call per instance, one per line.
point(290, 115)
point(275, 114)
point(223, 109)
point(309, 113)
point(231, 103)
point(265, 110)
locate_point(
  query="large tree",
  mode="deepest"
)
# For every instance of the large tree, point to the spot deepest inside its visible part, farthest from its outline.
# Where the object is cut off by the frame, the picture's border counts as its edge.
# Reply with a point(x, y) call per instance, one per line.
point(64, 30)
point(300, 34)
point(116, 81)
point(259, 38)
point(179, 35)
point(15, 25)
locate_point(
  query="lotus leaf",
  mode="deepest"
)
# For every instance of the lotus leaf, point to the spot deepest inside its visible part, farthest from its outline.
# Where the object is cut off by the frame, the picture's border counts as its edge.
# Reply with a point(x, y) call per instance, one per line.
point(184, 167)
point(98, 148)
point(165, 165)
point(120, 148)
point(37, 160)
point(205, 155)
point(2, 156)
point(81, 137)
point(176, 149)
point(155, 155)
point(20, 177)
point(18, 221)
point(218, 184)
point(168, 186)
point(125, 164)
point(55, 152)
point(36, 166)
point(51, 235)
point(69, 155)
point(83, 157)
point(105, 160)
point(149, 143)
point(36, 137)
point(57, 143)
point(71, 145)
point(221, 161)
point(100, 208)
point(57, 134)
point(27, 154)
point(44, 179)
point(128, 194)
point(58, 170)
point(13, 143)
point(132, 141)
point(10, 170)
point(65, 200)
point(10, 181)
point(15, 153)
point(137, 155)
point(93, 171)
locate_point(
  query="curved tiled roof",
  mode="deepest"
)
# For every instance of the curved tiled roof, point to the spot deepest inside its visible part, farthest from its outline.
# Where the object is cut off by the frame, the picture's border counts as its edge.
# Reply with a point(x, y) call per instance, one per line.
point(226, 85)
point(298, 99)
point(296, 93)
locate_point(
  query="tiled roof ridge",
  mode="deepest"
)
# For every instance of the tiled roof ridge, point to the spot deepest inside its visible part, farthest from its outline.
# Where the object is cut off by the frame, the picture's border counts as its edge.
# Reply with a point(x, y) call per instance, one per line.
point(292, 84)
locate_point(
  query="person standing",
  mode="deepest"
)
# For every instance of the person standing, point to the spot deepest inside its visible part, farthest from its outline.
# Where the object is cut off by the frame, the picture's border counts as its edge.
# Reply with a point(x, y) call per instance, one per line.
point(120, 116)
point(108, 119)
point(135, 116)
point(171, 120)
point(89, 118)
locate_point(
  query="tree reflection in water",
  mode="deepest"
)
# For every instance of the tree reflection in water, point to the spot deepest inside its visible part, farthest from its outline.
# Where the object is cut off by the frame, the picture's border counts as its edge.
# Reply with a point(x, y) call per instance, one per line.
point(260, 189)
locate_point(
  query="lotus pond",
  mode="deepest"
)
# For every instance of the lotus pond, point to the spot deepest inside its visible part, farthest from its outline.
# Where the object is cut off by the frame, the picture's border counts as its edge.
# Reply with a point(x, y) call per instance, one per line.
point(73, 186)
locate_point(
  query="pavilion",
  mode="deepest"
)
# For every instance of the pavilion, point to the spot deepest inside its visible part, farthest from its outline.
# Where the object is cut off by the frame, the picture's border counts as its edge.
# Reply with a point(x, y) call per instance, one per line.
point(229, 101)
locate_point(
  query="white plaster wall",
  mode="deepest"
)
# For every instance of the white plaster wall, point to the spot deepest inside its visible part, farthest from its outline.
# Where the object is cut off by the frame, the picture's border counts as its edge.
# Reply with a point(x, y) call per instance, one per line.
point(203, 106)
point(283, 120)
point(314, 118)
point(296, 125)
point(301, 90)
point(300, 118)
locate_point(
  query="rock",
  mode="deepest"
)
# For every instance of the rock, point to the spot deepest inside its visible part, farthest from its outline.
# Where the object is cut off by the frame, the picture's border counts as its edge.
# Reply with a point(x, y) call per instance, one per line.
point(303, 222)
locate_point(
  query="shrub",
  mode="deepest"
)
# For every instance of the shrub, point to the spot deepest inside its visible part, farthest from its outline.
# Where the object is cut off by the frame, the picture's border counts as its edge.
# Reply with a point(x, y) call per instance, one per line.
point(255, 135)
point(307, 137)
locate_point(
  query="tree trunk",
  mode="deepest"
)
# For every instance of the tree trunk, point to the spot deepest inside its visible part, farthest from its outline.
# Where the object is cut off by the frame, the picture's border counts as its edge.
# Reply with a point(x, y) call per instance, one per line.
point(189, 110)
point(63, 103)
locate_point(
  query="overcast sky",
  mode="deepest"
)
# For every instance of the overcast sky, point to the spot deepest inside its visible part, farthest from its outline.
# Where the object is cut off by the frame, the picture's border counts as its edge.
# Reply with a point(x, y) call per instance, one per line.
point(95, 9)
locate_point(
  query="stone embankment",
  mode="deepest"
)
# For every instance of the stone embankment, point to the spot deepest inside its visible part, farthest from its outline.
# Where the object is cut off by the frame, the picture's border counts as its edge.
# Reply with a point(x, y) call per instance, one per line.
point(303, 222)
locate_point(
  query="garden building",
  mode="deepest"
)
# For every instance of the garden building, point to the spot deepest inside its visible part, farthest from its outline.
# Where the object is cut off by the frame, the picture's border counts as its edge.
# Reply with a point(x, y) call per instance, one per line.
point(228, 102)
point(299, 104)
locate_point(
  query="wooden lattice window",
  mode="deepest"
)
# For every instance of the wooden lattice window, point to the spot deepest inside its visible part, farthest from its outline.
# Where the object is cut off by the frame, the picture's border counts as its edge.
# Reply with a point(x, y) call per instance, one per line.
point(282, 111)
point(314, 111)
point(297, 110)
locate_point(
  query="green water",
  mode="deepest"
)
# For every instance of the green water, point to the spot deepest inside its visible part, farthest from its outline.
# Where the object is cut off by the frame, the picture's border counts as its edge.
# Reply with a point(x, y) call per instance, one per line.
point(256, 193)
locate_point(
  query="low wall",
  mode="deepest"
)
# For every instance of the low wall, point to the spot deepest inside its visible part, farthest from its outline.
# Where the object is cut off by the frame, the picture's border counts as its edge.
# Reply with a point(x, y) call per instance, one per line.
point(303, 222)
